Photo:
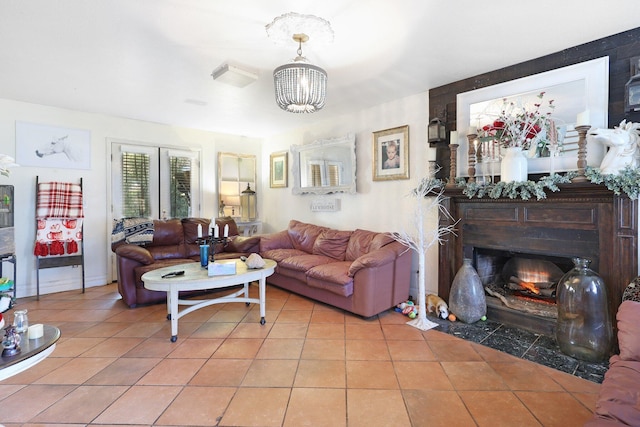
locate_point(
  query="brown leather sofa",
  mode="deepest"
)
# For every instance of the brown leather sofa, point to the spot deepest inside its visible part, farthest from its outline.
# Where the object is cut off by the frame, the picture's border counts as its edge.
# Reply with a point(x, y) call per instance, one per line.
point(360, 271)
point(174, 242)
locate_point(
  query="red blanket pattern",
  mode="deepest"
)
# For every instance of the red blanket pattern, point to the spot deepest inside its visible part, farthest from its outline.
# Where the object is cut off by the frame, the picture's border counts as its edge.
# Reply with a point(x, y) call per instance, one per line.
point(59, 200)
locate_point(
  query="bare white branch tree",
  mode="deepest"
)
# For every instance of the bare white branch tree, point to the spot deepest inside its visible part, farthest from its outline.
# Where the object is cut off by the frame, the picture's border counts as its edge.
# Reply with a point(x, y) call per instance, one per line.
point(428, 196)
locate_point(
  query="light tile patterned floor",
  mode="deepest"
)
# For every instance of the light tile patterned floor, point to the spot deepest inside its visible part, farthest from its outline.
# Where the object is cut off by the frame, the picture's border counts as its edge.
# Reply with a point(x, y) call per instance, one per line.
point(309, 365)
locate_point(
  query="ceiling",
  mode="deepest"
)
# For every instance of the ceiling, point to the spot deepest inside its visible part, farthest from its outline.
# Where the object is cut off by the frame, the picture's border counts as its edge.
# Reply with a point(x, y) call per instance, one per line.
point(152, 59)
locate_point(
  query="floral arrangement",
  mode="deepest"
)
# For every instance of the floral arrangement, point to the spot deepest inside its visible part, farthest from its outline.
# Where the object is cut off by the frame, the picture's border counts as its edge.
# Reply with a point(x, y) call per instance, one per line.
point(6, 162)
point(518, 125)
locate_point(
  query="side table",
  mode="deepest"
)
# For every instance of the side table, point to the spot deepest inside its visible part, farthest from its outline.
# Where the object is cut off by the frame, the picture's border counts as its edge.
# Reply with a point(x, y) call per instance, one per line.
point(249, 228)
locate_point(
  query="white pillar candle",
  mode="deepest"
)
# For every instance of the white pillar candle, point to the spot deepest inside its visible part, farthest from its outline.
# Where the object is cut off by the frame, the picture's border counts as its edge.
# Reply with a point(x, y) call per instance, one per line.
point(199, 231)
point(453, 137)
point(226, 230)
point(216, 231)
point(583, 119)
point(36, 331)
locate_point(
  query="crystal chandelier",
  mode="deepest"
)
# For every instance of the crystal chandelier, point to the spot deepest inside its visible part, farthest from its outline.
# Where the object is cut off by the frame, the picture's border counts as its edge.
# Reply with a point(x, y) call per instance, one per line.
point(300, 87)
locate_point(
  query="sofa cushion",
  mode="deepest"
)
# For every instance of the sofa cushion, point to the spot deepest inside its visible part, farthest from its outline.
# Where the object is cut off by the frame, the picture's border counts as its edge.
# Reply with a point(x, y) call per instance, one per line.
point(167, 252)
point(332, 277)
point(279, 255)
point(304, 262)
point(332, 243)
point(359, 243)
point(279, 240)
point(304, 235)
point(628, 317)
point(190, 229)
point(242, 244)
point(380, 240)
point(166, 233)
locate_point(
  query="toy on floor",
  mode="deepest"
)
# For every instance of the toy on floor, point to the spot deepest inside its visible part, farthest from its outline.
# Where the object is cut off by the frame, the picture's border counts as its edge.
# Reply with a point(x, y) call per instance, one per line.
point(408, 308)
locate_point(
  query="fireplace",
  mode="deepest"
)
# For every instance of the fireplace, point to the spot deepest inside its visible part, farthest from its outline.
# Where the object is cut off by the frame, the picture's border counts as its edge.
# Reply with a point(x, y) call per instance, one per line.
point(516, 243)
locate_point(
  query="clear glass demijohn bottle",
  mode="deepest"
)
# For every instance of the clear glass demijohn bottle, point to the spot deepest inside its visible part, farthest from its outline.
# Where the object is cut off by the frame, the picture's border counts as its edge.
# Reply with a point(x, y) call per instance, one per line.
point(584, 328)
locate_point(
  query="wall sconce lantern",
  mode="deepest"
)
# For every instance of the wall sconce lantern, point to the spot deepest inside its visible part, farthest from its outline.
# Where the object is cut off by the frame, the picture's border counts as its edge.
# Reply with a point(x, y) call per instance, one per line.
point(632, 88)
point(248, 204)
point(436, 131)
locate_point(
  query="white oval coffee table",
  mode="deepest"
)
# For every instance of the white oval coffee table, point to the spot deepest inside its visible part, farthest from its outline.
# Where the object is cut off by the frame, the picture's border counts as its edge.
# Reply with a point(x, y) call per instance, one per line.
point(197, 278)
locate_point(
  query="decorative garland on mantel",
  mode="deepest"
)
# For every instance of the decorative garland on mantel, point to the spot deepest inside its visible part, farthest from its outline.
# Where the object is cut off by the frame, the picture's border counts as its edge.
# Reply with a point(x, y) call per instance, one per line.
point(627, 181)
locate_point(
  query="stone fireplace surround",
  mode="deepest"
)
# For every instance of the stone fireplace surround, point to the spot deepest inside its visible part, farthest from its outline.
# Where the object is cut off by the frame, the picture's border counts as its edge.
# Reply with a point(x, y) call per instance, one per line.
point(582, 219)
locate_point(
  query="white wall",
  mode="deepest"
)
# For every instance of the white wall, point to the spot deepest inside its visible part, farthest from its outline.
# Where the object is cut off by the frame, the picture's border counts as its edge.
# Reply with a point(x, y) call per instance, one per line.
point(378, 205)
point(97, 225)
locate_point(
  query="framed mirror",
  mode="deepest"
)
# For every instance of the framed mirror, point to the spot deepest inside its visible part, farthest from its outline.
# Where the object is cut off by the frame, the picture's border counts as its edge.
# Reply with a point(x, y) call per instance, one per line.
point(574, 89)
point(235, 172)
point(325, 166)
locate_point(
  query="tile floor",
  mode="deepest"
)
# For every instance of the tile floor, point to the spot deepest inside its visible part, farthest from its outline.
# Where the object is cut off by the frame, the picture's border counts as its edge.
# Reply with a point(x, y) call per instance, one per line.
point(309, 365)
point(541, 349)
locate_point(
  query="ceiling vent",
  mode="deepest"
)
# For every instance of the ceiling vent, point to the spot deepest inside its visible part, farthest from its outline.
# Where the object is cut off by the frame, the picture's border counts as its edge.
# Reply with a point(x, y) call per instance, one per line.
point(234, 75)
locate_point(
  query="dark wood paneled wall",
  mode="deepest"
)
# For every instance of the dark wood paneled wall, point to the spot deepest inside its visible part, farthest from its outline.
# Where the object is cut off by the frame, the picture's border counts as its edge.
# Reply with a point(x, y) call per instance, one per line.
point(620, 48)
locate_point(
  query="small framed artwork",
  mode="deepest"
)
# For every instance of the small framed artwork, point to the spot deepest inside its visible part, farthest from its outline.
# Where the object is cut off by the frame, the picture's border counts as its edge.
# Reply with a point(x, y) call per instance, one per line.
point(279, 169)
point(391, 154)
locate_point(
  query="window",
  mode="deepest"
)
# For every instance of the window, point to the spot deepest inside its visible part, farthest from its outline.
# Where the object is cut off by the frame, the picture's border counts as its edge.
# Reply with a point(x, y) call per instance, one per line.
point(180, 187)
point(154, 182)
point(135, 185)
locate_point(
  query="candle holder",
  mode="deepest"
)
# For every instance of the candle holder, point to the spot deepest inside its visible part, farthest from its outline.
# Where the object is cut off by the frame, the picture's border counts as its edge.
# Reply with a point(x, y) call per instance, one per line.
point(582, 153)
point(11, 342)
point(453, 148)
point(212, 242)
point(472, 157)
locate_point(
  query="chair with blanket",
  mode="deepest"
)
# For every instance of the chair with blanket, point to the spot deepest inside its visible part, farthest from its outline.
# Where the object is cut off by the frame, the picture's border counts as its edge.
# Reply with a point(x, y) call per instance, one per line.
point(59, 227)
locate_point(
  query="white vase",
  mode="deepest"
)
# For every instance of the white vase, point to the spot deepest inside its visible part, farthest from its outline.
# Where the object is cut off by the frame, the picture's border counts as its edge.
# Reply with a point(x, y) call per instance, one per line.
point(514, 166)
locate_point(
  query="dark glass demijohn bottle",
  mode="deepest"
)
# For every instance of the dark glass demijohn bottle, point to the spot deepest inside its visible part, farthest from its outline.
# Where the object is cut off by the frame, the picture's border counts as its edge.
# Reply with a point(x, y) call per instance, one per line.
point(584, 328)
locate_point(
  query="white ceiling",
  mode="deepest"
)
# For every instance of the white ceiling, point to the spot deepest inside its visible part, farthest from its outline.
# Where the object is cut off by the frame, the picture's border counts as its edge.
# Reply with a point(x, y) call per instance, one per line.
point(152, 59)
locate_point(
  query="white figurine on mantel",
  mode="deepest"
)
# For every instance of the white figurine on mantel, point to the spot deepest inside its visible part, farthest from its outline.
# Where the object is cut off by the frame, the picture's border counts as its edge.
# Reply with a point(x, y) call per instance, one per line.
point(624, 147)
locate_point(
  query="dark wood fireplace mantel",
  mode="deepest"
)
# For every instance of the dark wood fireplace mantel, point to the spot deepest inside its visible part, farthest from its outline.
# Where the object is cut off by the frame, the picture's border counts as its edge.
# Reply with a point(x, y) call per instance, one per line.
point(582, 219)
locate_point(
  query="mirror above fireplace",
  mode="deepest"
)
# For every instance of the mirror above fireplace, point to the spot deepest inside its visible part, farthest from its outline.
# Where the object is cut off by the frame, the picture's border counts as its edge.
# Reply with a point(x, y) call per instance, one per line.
point(574, 89)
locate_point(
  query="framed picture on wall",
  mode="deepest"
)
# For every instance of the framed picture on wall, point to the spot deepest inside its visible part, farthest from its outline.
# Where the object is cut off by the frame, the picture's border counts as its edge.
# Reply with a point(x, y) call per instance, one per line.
point(391, 154)
point(41, 145)
point(279, 169)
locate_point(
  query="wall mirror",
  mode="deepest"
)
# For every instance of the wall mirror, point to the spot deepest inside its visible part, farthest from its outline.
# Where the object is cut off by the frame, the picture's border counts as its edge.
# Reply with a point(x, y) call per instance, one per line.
point(573, 89)
point(325, 166)
point(235, 172)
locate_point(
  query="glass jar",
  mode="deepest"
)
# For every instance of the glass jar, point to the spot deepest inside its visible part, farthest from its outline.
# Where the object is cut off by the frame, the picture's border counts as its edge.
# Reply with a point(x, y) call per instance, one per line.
point(584, 328)
point(21, 321)
point(466, 297)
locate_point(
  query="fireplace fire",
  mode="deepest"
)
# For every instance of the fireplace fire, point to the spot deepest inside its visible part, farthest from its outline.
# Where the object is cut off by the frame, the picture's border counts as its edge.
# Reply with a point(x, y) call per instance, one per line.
point(525, 283)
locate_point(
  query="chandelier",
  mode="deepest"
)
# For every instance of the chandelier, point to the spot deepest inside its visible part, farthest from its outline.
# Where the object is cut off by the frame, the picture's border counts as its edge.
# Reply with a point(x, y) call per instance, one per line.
point(300, 87)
